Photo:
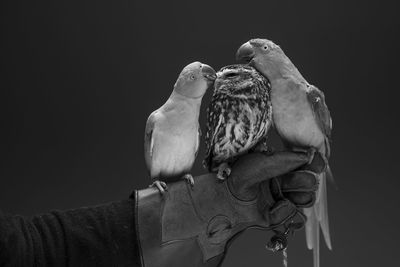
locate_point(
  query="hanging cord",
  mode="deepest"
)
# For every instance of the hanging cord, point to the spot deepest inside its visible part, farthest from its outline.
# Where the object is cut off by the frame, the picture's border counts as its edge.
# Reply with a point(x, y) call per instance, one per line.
point(279, 241)
point(285, 258)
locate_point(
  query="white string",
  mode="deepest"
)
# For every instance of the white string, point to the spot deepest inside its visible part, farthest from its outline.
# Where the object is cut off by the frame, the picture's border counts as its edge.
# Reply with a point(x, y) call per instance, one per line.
point(284, 252)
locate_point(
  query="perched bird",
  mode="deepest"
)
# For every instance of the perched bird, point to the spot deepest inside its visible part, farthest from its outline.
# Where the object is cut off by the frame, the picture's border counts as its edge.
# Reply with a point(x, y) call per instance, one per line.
point(301, 118)
point(172, 132)
point(238, 116)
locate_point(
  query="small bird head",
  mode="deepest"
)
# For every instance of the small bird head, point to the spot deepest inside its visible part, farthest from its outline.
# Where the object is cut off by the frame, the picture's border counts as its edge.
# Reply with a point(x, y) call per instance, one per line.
point(266, 56)
point(240, 80)
point(194, 80)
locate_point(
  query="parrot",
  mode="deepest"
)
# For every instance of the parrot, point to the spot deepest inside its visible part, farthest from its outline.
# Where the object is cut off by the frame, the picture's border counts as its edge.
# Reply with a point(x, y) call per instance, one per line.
point(302, 120)
point(172, 133)
point(238, 117)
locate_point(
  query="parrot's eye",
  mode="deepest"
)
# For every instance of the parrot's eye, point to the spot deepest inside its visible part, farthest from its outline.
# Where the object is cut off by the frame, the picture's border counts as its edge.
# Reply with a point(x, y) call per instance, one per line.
point(265, 47)
point(192, 77)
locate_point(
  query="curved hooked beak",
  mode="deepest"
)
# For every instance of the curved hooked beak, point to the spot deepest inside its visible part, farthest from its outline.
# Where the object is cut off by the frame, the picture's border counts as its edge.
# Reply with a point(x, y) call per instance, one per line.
point(208, 72)
point(245, 53)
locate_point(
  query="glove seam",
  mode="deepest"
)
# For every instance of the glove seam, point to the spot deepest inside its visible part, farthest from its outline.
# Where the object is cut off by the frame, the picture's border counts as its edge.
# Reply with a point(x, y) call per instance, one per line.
point(238, 199)
point(194, 206)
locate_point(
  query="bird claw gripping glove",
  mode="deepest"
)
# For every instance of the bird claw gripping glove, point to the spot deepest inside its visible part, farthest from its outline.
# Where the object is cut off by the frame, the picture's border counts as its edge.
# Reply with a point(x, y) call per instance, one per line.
point(194, 227)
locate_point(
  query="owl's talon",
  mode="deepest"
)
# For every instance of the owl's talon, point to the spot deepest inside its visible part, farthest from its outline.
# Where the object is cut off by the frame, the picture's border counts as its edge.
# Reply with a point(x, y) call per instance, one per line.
point(263, 148)
point(223, 171)
point(189, 179)
point(161, 186)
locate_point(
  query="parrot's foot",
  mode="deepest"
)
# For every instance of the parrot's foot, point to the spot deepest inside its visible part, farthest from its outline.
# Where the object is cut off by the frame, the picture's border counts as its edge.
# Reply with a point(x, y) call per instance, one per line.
point(189, 179)
point(162, 186)
point(223, 171)
point(311, 153)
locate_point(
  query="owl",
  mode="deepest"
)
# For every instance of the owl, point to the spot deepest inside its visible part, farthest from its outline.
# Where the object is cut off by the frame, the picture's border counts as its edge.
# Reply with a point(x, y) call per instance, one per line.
point(238, 117)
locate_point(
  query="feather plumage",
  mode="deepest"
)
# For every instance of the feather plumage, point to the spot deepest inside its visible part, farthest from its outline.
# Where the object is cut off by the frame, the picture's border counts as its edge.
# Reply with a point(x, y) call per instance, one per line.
point(239, 115)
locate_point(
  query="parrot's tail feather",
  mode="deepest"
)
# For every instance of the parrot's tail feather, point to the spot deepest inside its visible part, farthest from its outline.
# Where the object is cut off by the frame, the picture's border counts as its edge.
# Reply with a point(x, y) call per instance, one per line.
point(316, 249)
point(311, 221)
point(330, 177)
point(312, 233)
point(318, 216)
point(322, 211)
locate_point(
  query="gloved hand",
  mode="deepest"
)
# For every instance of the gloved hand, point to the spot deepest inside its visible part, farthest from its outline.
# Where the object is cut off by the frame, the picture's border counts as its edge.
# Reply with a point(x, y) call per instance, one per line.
point(193, 227)
point(280, 197)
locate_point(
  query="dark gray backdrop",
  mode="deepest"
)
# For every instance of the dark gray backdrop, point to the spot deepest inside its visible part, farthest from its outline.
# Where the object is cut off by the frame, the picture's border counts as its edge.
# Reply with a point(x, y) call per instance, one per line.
point(79, 78)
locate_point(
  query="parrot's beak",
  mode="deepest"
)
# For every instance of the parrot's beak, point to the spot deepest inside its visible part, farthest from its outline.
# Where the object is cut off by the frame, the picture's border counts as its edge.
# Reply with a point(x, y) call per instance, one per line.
point(208, 73)
point(245, 53)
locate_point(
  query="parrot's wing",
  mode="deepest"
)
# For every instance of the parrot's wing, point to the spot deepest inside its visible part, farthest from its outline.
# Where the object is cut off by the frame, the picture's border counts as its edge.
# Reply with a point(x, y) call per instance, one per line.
point(198, 141)
point(148, 139)
point(323, 119)
point(321, 113)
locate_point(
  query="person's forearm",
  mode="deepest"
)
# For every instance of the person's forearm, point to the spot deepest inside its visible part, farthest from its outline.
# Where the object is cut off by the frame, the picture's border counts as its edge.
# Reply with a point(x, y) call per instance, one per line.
point(104, 235)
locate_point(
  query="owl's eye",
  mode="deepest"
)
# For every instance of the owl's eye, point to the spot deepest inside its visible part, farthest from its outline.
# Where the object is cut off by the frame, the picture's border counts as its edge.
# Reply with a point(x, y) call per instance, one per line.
point(231, 75)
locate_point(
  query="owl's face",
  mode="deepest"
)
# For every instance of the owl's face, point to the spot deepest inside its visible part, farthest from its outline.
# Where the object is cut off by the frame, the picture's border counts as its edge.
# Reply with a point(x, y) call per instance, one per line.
point(238, 80)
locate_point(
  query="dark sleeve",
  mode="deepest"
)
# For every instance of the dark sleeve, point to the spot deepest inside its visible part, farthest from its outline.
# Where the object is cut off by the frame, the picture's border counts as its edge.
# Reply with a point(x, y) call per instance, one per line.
point(104, 235)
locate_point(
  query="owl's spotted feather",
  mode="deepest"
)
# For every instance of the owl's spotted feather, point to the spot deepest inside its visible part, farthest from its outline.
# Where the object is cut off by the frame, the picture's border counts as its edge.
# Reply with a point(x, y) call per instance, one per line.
point(239, 115)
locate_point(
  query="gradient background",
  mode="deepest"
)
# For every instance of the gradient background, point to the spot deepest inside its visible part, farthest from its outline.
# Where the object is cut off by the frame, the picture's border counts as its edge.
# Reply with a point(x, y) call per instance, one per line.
point(79, 78)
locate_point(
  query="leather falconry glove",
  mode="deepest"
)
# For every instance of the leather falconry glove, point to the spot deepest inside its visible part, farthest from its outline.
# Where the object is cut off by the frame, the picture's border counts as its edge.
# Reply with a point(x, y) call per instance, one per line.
point(194, 227)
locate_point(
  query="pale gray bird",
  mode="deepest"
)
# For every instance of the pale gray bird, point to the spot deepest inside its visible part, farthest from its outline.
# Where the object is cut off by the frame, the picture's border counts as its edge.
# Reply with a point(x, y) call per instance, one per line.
point(172, 132)
point(301, 118)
